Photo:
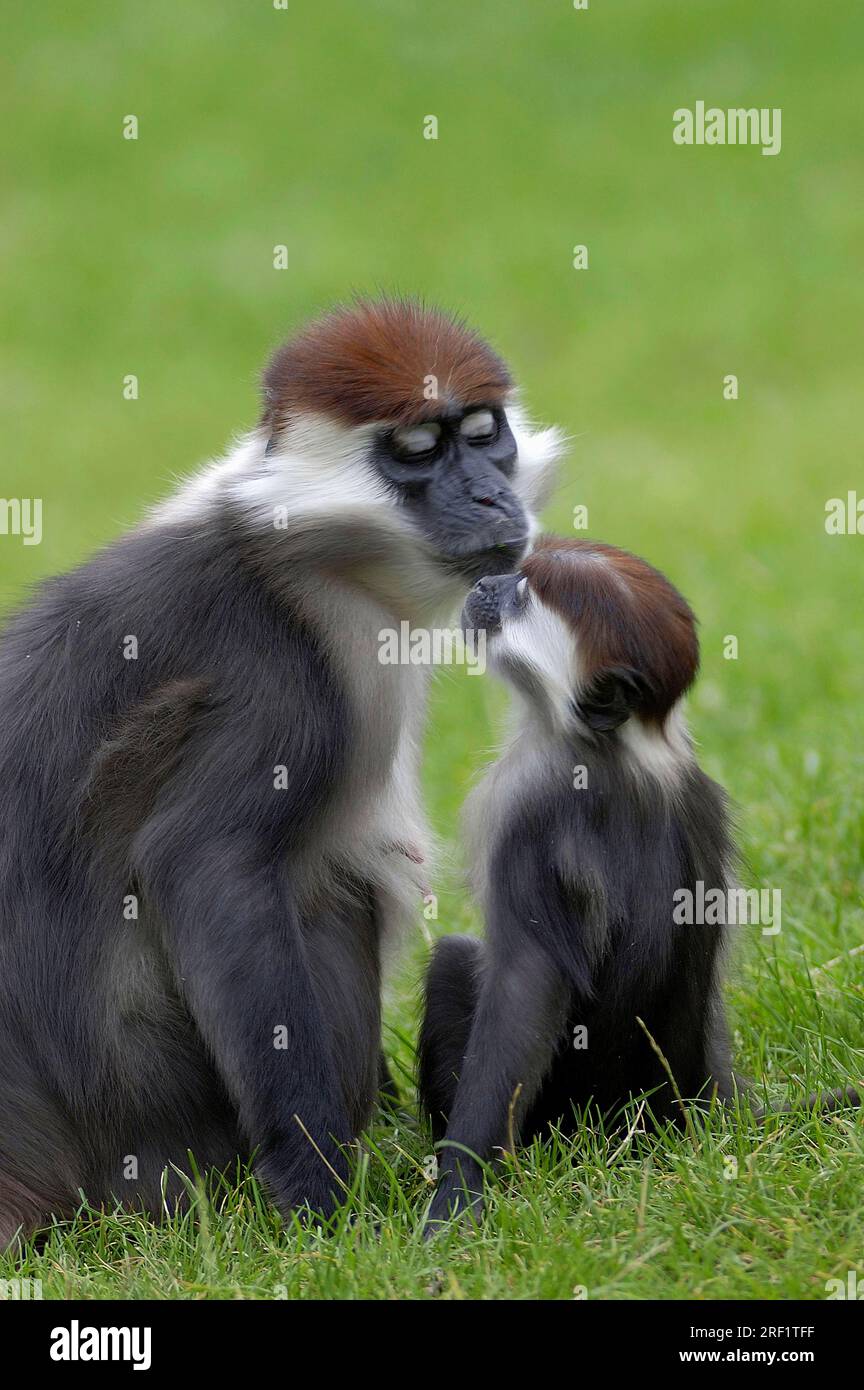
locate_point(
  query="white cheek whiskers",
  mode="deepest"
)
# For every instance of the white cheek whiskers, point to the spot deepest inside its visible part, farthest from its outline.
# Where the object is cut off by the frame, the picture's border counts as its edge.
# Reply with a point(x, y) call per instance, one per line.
point(536, 652)
point(539, 451)
point(538, 655)
point(662, 752)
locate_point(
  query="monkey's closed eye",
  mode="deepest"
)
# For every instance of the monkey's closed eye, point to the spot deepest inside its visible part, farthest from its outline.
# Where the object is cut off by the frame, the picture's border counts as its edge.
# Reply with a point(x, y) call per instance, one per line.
point(479, 425)
point(416, 441)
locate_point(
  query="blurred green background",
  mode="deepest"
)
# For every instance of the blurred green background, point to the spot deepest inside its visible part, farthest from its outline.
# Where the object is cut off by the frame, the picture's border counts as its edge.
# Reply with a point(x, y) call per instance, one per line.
point(304, 127)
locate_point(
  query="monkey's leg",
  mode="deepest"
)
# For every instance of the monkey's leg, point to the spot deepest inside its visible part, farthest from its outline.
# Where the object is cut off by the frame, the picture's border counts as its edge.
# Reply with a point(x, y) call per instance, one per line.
point(23, 1210)
point(342, 941)
point(682, 1053)
point(451, 991)
point(240, 959)
point(520, 1016)
point(42, 1163)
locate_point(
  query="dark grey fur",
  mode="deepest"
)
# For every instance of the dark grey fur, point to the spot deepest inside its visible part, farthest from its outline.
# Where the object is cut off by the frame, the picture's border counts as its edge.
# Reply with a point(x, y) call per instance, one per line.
point(258, 908)
point(577, 891)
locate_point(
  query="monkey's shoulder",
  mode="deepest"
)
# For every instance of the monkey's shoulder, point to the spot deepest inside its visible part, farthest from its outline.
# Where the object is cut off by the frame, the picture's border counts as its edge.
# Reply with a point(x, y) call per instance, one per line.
point(164, 660)
point(160, 606)
point(614, 824)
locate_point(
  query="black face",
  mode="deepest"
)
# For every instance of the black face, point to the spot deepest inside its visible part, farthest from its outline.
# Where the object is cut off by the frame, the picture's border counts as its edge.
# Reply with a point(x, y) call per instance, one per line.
point(453, 474)
point(492, 599)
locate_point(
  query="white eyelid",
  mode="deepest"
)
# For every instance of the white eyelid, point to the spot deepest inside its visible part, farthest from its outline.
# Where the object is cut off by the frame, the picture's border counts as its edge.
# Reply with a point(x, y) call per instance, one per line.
point(477, 425)
point(521, 590)
point(419, 439)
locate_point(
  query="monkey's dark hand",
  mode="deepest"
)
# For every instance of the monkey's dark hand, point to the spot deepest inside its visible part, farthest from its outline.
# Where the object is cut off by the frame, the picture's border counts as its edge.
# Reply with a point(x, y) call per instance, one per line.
point(310, 1181)
point(459, 1195)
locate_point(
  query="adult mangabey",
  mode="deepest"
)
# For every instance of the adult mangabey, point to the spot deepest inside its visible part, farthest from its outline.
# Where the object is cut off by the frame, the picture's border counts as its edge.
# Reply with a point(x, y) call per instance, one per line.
point(588, 826)
point(210, 812)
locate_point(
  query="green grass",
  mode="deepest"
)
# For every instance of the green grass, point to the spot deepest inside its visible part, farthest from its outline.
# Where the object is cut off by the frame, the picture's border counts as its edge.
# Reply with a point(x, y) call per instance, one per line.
point(154, 257)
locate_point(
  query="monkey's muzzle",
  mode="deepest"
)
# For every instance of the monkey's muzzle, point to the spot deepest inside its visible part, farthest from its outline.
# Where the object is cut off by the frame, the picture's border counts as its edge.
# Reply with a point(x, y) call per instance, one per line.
point(494, 598)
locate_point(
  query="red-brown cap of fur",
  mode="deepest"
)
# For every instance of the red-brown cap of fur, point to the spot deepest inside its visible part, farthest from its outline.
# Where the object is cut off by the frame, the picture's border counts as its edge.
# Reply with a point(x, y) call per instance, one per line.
point(625, 614)
point(369, 361)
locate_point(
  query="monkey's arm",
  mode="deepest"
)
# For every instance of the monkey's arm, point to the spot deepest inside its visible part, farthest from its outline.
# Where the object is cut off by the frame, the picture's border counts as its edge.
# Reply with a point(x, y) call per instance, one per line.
point(211, 860)
point(546, 932)
point(518, 1022)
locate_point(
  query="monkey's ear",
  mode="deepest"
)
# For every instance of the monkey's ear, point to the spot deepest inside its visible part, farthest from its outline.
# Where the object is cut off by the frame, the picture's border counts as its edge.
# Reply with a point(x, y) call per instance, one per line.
point(611, 697)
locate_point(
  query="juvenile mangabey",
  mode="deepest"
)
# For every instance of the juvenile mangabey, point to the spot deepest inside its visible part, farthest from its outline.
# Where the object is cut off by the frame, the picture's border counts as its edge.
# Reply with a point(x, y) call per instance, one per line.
point(210, 811)
point(584, 829)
